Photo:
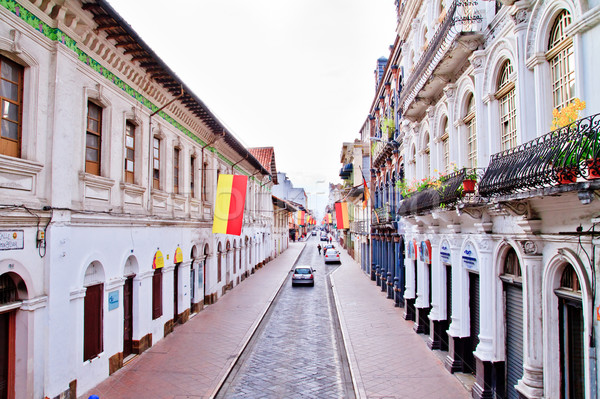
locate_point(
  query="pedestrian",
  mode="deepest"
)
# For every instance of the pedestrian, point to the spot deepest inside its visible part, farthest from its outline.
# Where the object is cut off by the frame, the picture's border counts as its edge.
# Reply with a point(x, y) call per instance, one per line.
point(319, 248)
point(330, 239)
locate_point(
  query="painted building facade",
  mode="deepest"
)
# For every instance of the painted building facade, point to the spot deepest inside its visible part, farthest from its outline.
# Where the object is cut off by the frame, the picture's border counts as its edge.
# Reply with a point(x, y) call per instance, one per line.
point(108, 173)
point(500, 275)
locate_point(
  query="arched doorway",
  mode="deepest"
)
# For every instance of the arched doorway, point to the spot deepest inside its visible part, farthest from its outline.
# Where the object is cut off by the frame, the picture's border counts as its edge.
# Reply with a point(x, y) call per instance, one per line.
point(202, 269)
point(512, 285)
point(219, 262)
point(571, 335)
point(12, 292)
point(228, 254)
point(93, 311)
point(129, 273)
point(193, 265)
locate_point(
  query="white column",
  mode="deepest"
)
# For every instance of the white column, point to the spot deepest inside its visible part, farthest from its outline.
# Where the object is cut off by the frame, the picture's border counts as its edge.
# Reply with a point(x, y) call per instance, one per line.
point(485, 348)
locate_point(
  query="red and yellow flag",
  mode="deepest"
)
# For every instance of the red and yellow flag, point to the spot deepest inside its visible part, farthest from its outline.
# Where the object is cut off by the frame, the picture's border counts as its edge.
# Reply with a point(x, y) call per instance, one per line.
point(329, 218)
point(229, 204)
point(365, 194)
point(341, 215)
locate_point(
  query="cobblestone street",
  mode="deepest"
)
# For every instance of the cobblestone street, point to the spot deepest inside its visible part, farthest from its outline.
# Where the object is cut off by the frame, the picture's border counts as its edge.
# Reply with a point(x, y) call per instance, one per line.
point(296, 353)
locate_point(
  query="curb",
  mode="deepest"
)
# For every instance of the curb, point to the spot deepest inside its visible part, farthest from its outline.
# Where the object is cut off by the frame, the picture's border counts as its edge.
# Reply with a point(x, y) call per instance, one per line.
point(359, 389)
point(252, 330)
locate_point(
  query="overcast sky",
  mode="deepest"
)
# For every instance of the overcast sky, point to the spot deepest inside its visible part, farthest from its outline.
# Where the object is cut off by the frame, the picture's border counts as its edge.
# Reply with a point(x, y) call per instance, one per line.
point(296, 75)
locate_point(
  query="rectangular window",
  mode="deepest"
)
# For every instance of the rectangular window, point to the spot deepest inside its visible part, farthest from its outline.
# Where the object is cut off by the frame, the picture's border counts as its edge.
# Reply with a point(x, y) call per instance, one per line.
point(176, 170)
point(93, 139)
point(11, 96)
point(192, 175)
point(204, 184)
point(157, 294)
point(129, 152)
point(156, 164)
point(92, 321)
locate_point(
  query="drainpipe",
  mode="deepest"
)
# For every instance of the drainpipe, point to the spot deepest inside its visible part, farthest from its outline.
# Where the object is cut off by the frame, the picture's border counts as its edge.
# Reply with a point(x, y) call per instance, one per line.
point(151, 147)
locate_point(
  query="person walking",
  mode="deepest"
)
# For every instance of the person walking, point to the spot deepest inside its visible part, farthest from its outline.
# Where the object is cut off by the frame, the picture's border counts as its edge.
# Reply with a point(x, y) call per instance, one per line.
point(330, 239)
point(319, 248)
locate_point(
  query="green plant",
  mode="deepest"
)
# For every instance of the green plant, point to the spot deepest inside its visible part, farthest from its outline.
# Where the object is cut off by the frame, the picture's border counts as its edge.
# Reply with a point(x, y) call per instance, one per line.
point(471, 174)
point(388, 126)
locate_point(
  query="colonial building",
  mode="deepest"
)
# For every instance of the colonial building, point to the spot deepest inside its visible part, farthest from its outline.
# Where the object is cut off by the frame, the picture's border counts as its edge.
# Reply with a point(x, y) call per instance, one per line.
point(499, 272)
point(108, 173)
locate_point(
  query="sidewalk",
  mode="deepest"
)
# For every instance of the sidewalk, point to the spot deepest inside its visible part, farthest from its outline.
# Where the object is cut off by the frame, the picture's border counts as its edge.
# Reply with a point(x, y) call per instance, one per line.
point(387, 358)
point(195, 359)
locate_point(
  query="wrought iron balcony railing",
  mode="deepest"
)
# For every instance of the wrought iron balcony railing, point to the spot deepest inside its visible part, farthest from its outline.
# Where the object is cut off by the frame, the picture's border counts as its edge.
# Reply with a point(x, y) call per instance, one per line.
point(447, 194)
point(559, 157)
point(384, 214)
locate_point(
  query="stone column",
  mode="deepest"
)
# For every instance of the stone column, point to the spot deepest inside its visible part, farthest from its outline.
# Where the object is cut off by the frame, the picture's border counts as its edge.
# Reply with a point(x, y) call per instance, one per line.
point(410, 292)
point(437, 321)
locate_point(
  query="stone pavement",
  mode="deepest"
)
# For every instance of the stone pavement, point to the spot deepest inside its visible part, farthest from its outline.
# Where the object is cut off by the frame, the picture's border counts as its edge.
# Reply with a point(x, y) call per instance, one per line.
point(194, 360)
point(387, 358)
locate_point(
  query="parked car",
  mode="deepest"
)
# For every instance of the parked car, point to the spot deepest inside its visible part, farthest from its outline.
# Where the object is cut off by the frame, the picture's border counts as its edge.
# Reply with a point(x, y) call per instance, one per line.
point(303, 275)
point(323, 237)
point(332, 256)
point(314, 232)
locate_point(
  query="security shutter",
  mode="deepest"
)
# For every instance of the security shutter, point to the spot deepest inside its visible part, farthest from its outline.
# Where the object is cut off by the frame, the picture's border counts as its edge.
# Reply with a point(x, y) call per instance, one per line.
point(571, 349)
point(474, 316)
point(449, 293)
point(514, 337)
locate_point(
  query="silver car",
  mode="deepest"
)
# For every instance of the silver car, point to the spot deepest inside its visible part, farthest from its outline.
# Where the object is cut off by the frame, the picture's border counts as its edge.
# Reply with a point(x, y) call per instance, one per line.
point(332, 256)
point(303, 275)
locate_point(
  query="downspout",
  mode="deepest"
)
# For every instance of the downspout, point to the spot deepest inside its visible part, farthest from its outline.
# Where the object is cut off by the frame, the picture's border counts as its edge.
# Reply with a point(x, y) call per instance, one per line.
point(151, 148)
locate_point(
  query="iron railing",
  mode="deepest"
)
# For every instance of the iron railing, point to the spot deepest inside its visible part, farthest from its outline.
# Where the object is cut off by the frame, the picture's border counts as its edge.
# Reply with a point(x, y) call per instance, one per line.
point(447, 194)
point(384, 214)
point(558, 157)
point(419, 76)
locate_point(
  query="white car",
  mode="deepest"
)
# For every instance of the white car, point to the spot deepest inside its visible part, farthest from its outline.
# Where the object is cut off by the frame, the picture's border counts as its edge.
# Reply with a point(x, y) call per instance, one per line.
point(332, 256)
point(303, 275)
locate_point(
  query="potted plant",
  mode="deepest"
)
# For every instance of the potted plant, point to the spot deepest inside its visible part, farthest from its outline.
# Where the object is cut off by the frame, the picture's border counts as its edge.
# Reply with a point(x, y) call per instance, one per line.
point(469, 181)
point(567, 162)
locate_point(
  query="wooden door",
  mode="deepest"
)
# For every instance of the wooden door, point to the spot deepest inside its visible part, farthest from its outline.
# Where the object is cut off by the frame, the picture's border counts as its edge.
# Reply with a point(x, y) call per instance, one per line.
point(175, 293)
point(7, 355)
point(128, 317)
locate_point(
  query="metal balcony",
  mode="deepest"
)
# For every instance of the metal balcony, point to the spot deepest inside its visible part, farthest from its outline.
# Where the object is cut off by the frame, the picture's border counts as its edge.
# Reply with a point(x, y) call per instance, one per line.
point(562, 156)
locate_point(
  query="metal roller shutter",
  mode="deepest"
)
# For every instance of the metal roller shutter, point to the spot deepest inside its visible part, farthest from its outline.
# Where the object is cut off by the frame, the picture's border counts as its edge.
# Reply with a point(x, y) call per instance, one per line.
point(474, 318)
point(514, 337)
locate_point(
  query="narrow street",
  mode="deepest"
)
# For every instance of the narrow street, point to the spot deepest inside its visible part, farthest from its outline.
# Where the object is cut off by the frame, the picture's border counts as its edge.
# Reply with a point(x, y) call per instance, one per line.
point(297, 350)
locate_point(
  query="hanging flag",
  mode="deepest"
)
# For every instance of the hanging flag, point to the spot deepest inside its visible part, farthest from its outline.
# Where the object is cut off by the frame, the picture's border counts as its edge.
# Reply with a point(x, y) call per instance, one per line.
point(365, 193)
point(158, 260)
point(341, 215)
point(301, 218)
point(329, 221)
point(229, 204)
point(178, 258)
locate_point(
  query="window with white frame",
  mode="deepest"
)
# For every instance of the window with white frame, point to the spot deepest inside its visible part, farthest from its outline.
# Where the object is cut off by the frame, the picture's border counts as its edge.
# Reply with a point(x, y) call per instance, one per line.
point(562, 61)
point(469, 121)
point(11, 96)
point(176, 152)
point(508, 110)
point(156, 163)
point(93, 139)
point(445, 146)
point(427, 157)
point(129, 152)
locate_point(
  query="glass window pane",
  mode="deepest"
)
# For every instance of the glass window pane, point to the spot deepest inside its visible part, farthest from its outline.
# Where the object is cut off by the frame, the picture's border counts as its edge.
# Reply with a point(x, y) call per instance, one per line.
point(156, 164)
point(156, 174)
point(10, 130)
point(92, 140)
point(93, 111)
point(9, 90)
point(156, 153)
point(130, 154)
point(129, 141)
point(10, 71)
point(91, 154)
point(10, 111)
point(93, 125)
point(129, 165)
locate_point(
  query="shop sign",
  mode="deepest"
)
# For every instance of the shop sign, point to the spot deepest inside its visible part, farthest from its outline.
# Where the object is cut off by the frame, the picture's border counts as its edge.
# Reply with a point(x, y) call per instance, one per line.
point(178, 256)
point(113, 300)
point(445, 252)
point(425, 253)
point(158, 261)
point(412, 250)
point(11, 239)
point(469, 257)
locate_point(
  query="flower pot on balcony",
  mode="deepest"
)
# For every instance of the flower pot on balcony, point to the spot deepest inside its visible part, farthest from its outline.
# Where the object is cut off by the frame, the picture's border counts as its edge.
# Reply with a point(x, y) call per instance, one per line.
point(566, 175)
point(468, 186)
point(593, 166)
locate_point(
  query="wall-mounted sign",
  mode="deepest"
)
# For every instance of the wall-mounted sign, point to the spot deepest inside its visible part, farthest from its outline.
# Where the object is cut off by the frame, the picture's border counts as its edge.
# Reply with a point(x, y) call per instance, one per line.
point(11, 239)
point(469, 257)
point(411, 247)
point(425, 252)
point(158, 261)
point(113, 300)
point(178, 258)
point(445, 252)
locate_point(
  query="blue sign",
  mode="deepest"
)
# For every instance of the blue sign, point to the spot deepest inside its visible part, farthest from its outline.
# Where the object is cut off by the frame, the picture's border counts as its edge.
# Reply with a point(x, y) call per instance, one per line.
point(445, 253)
point(113, 300)
point(469, 257)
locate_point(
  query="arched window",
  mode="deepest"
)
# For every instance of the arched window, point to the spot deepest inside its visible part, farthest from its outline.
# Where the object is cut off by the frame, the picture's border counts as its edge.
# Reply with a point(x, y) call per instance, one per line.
point(445, 146)
point(469, 121)
point(427, 157)
point(511, 264)
point(508, 111)
point(562, 61)
point(571, 335)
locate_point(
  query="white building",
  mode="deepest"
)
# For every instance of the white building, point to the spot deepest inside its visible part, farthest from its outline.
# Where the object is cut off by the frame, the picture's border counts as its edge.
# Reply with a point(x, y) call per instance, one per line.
point(108, 164)
point(503, 278)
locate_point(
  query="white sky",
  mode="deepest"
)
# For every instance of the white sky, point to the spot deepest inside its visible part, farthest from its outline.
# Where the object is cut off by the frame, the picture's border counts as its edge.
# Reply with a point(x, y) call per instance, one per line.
point(296, 75)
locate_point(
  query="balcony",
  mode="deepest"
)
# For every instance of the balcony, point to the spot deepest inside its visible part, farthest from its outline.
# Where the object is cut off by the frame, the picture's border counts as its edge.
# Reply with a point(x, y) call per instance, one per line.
point(448, 194)
point(383, 215)
point(562, 157)
point(457, 36)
